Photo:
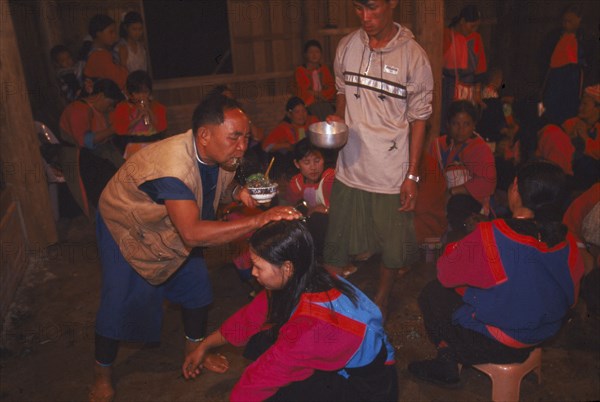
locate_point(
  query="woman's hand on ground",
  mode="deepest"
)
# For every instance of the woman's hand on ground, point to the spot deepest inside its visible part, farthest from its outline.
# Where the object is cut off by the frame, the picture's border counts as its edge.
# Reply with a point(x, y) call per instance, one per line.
point(216, 362)
point(193, 363)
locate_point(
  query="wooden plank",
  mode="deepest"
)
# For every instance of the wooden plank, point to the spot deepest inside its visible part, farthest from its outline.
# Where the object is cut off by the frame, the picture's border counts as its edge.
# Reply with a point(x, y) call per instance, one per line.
point(13, 256)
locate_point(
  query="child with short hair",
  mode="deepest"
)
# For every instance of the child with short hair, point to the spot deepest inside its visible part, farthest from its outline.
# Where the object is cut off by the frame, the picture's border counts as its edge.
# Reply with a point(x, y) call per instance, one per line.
point(139, 119)
point(66, 72)
point(312, 186)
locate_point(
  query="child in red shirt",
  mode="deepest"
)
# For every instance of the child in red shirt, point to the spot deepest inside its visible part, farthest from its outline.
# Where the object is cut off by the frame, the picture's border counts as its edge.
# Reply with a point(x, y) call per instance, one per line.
point(139, 119)
point(312, 186)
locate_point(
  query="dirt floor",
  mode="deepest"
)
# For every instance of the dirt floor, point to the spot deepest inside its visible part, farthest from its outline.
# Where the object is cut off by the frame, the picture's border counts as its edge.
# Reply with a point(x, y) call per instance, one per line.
point(47, 339)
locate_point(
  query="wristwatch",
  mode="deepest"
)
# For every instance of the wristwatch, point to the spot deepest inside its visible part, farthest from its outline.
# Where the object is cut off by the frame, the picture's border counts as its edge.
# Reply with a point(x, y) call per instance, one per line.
point(413, 178)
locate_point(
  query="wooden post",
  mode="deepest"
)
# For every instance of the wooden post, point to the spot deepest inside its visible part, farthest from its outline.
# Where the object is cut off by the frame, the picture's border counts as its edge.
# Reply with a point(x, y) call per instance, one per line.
point(428, 27)
point(22, 168)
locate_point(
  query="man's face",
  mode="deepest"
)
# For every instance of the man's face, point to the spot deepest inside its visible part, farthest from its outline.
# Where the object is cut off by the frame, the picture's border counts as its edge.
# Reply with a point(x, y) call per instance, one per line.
point(225, 144)
point(376, 16)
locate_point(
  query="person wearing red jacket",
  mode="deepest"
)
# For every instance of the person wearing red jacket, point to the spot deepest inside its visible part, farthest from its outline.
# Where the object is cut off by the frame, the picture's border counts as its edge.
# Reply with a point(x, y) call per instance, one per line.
point(314, 83)
point(139, 120)
point(507, 286)
point(99, 60)
point(313, 336)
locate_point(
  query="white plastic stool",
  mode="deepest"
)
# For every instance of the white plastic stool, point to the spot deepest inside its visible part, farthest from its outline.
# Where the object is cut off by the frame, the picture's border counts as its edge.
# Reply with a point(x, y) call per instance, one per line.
point(506, 378)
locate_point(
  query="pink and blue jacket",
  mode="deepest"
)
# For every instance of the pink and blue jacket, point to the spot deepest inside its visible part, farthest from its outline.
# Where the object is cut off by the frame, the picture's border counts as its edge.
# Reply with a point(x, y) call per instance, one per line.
point(326, 332)
point(517, 290)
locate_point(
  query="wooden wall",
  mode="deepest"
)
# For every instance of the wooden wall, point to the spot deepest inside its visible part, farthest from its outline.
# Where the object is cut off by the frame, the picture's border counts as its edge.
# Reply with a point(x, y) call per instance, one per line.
point(26, 221)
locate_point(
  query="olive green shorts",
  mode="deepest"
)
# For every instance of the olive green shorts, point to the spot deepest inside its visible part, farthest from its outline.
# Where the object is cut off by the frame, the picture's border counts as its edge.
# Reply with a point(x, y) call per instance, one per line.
point(360, 221)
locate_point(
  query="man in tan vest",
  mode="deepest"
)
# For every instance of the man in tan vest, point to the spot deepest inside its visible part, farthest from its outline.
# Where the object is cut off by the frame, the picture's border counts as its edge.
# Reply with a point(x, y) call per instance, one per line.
point(155, 216)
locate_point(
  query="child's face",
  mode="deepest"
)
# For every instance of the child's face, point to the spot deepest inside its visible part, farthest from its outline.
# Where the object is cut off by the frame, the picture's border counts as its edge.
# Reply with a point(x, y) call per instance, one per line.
point(311, 166)
point(138, 97)
point(467, 28)
point(298, 115)
point(64, 60)
point(313, 55)
point(135, 31)
point(108, 36)
point(461, 127)
point(570, 22)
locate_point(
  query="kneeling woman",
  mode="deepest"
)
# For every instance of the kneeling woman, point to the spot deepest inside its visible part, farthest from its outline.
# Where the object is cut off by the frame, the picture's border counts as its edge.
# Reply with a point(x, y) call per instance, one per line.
point(314, 336)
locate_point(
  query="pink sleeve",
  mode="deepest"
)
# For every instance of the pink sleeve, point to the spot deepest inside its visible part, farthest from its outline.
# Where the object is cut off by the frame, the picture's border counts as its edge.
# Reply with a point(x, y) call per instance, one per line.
point(281, 133)
point(473, 261)
point(480, 161)
point(555, 145)
point(246, 322)
point(305, 344)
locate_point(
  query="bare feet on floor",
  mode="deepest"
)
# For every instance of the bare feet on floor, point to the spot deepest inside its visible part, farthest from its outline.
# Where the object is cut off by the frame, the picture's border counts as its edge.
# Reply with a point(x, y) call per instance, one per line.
point(363, 256)
point(344, 272)
point(382, 303)
point(102, 390)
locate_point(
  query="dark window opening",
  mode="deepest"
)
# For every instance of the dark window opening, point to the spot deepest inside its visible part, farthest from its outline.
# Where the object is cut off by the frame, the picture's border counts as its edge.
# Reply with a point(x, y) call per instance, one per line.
point(188, 38)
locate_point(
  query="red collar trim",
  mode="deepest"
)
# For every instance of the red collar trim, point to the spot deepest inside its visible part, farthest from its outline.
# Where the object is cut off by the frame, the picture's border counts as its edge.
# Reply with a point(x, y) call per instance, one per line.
point(321, 297)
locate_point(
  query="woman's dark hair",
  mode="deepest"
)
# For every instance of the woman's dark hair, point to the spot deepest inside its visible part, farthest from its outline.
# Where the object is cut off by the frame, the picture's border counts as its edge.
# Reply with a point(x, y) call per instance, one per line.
point(109, 88)
point(469, 12)
point(462, 106)
point(303, 148)
point(99, 23)
point(542, 187)
point(290, 105)
point(211, 110)
point(311, 43)
point(138, 81)
point(131, 17)
point(281, 241)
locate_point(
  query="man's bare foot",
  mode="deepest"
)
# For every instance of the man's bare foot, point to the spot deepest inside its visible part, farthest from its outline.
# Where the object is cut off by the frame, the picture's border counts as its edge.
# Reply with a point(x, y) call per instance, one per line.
point(363, 256)
point(102, 390)
point(344, 272)
point(384, 289)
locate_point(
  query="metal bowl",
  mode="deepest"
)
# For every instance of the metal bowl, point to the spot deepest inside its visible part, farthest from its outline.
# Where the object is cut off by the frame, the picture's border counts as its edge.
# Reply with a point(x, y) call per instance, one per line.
point(263, 195)
point(328, 135)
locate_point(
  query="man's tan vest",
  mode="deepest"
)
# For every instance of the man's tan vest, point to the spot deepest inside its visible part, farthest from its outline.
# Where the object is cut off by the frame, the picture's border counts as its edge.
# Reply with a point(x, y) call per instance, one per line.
point(142, 228)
